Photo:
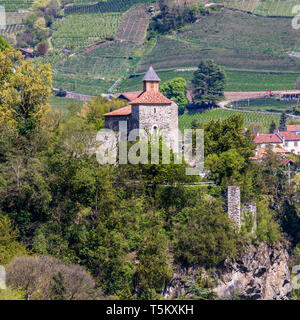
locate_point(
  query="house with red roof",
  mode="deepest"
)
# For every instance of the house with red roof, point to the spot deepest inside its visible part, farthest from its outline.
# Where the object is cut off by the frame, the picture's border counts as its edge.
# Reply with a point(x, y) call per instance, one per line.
point(148, 109)
point(287, 140)
point(295, 128)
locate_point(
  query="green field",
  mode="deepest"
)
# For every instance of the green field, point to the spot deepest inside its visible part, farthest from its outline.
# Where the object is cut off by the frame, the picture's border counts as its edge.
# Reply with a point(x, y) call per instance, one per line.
point(235, 40)
point(81, 30)
point(105, 6)
point(219, 114)
point(266, 104)
point(16, 4)
point(61, 104)
point(236, 80)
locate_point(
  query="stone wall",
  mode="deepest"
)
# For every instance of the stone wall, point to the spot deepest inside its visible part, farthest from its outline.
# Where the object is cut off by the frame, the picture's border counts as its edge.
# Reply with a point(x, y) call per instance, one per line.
point(162, 117)
point(112, 122)
point(234, 204)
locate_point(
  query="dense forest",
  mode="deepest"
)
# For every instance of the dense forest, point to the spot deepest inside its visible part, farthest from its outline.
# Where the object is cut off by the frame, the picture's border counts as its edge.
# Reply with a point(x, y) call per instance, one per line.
point(120, 229)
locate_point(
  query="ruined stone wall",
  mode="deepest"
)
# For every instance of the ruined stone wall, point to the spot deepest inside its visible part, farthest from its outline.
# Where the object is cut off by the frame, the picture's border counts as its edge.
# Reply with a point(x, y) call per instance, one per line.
point(234, 204)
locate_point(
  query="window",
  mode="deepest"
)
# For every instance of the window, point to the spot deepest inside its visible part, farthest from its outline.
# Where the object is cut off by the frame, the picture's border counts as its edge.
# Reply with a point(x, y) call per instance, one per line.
point(296, 144)
point(155, 129)
point(154, 110)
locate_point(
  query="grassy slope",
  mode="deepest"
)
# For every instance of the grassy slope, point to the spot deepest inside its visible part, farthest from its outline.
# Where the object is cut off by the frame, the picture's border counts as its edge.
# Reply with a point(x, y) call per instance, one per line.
point(234, 40)
point(236, 80)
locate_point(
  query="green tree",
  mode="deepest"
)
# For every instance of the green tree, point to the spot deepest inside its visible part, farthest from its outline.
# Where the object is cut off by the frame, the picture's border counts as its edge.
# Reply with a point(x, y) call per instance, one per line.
point(227, 148)
point(25, 93)
point(272, 127)
point(4, 44)
point(175, 89)
point(9, 246)
point(208, 83)
point(282, 123)
point(205, 235)
point(153, 271)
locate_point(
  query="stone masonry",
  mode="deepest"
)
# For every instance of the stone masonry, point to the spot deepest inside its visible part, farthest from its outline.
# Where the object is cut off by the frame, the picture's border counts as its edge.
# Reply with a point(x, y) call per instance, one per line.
point(234, 205)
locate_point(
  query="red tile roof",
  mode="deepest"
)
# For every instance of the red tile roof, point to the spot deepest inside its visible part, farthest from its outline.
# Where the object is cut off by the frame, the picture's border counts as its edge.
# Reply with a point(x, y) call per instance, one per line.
point(289, 136)
point(151, 97)
point(274, 138)
point(293, 127)
point(125, 111)
point(267, 138)
point(261, 151)
point(130, 96)
point(286, 161)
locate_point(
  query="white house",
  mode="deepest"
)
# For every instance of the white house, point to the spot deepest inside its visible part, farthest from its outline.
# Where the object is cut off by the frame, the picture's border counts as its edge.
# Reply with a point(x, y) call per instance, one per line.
point(288, 140)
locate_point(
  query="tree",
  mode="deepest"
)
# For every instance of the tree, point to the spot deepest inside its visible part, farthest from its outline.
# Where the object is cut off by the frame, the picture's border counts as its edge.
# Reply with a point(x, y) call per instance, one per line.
point(208, 83)
point(25, 93)
point(282, 123)
point(175, 89)
point(227, 148)
point(4, 44)
point(39, 278)
point(9, 246)
point(207, 237)
point(42, 49)
point(153, 271)
point(272, 127)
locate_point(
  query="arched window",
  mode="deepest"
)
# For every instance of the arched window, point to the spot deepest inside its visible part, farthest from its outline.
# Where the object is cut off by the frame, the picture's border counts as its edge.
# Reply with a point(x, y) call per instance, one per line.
point(155, 129)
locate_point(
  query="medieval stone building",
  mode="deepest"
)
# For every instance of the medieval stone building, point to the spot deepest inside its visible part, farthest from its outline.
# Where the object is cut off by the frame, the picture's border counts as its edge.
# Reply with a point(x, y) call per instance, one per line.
point(149, 110)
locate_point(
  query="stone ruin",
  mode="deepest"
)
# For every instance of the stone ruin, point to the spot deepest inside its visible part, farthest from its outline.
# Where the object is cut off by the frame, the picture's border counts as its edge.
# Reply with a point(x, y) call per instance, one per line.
point(238, 212)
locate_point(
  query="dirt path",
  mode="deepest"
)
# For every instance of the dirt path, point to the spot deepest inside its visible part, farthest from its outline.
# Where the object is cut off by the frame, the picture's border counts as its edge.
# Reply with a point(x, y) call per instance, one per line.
point(236, 96)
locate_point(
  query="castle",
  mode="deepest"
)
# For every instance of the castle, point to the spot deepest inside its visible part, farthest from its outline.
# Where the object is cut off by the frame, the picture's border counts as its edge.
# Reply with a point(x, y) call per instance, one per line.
point(150, 110)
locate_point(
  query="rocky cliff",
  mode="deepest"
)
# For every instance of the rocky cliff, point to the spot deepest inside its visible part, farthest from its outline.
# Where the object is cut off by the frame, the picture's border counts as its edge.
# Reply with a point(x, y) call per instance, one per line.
point(260, 273)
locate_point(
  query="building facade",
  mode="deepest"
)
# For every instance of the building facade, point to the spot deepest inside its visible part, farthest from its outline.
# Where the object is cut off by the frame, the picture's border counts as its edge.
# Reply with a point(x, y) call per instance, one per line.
point(150, 110)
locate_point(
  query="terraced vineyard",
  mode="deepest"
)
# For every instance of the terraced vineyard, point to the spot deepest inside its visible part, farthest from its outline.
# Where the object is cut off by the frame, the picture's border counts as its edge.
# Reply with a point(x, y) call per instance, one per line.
point(11, 28)
point(219, 114)
point(95, 70)
point(16, 4)
point(265, 8)
point(235, 40)
point(107, 6)
point(134, 25)
point(81, 30)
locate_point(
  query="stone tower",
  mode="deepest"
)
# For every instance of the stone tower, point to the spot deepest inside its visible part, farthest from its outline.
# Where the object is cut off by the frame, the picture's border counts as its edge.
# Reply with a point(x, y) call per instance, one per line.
point(150, 111)
point(234, 205)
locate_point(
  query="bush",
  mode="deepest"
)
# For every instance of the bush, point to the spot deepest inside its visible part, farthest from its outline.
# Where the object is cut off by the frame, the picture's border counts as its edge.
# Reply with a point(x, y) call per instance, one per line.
point(205, 235)
point(46, 278)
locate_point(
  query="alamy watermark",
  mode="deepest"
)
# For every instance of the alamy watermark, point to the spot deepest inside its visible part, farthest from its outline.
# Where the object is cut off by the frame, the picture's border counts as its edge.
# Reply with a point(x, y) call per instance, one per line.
point(2, 278)
point(2, 18)
point(113, 147)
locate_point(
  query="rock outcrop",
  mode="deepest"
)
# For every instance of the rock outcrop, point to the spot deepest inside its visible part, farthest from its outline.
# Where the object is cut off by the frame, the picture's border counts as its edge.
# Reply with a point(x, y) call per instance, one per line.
point(260, 273)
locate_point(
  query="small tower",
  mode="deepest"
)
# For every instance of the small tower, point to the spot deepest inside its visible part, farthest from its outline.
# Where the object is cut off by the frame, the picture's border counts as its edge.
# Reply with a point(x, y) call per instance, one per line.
point(234, 205)
point(151, 80)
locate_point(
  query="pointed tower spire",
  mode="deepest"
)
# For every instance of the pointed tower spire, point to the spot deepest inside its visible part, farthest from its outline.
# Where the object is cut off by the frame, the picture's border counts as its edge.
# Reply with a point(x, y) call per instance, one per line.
point(151, 75)
point(151, 80)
